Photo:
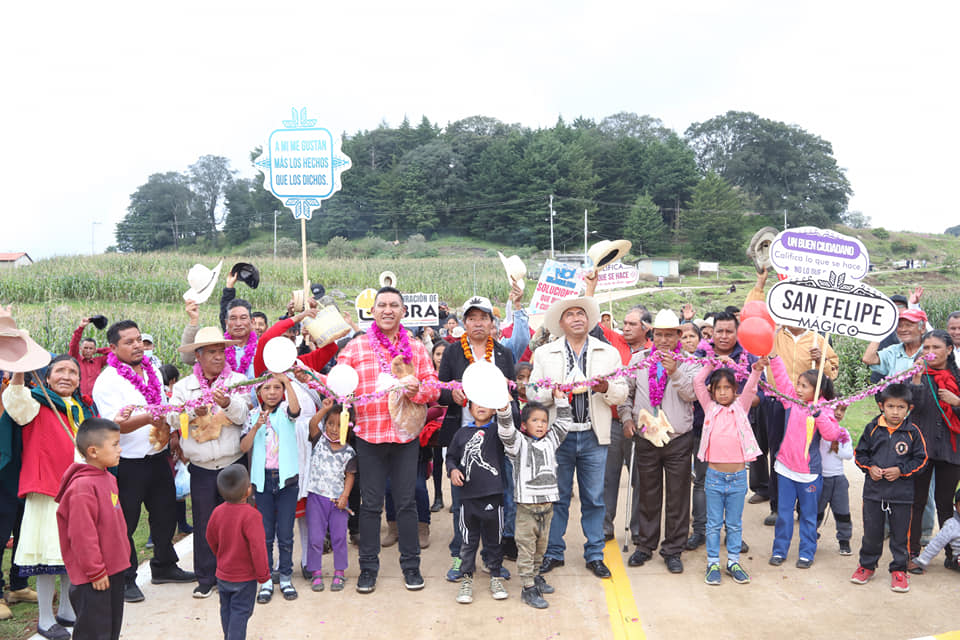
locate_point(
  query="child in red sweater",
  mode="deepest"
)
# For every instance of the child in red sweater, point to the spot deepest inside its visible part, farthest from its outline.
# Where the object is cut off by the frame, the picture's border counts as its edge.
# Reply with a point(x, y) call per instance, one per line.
point(236, 537)
point(93, 532)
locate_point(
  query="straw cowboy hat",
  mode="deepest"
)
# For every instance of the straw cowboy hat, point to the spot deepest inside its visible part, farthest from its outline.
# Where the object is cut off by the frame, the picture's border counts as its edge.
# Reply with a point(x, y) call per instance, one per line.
point(551, 320)
point(202, 282)
point(759, 249)
point(205, 337)
point(606, 252)
point(388, 279)
point(18, 352)
point(515, 268)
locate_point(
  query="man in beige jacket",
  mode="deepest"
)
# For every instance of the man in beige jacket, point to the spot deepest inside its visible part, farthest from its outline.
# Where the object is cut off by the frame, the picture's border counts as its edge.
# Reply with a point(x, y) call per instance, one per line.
point(664, 467)
point(573, 357)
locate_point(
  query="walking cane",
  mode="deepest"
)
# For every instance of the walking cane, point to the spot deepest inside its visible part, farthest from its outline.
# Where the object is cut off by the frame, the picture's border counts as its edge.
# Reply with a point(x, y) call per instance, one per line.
point(628, 508)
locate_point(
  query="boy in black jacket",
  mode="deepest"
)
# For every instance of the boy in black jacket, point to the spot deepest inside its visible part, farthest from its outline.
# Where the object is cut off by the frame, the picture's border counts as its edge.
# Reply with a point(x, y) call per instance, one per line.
point(475, 465)
point(891, 450)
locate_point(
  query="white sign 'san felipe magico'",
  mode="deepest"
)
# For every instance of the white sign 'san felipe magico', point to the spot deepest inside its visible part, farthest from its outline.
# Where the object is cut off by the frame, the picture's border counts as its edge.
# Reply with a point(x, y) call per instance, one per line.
point(811, 252)
point(833, 306)
point(301, 164)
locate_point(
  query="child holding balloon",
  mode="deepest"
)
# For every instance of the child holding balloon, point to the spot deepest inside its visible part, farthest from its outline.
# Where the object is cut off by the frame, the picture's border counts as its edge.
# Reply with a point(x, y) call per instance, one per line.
point(798, 464)
point(727, 445)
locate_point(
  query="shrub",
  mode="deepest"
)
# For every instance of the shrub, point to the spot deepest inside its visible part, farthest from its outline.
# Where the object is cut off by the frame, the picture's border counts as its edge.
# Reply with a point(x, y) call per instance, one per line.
point(338, 248)
point(900, 246)
point(881, 233)
point(688, 265)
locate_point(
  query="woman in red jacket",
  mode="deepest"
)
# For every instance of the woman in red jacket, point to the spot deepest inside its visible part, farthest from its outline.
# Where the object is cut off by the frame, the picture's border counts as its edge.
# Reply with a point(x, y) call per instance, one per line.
point(48, 417)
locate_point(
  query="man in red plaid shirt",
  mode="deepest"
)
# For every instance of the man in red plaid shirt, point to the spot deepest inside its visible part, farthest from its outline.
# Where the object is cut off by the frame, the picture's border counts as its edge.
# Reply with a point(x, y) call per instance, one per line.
point(382, 450)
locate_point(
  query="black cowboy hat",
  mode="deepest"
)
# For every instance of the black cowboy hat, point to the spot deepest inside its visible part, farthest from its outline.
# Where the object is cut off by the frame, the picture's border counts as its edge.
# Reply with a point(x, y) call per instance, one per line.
point(247, 274)
point(100, 322)
point(318, 290)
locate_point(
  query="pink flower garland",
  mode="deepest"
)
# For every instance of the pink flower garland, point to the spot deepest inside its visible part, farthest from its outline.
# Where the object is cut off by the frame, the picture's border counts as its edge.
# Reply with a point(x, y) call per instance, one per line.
point(657, 385)
point(248, 352)
point(402, 348)
point(206, 387)
point(152, 390)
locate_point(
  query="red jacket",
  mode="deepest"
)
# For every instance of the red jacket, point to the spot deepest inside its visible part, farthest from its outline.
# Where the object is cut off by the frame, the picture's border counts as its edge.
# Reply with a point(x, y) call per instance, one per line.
point(89, 367)
point(315, 359)
point(93, 533)
point(235, 535)
point(47, 453)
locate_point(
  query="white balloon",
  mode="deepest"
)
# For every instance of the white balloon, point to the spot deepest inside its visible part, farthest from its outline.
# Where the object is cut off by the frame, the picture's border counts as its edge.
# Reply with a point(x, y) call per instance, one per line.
point(343, 379)
point(484, 384)
point(279, 354)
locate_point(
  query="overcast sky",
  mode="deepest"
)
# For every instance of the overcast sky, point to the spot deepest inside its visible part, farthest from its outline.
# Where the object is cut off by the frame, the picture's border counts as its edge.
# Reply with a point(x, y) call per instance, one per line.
point(98, 96)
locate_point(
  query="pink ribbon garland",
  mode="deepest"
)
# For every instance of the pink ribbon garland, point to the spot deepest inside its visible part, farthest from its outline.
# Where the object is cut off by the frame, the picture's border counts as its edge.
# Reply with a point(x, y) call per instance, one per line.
point(629, 371)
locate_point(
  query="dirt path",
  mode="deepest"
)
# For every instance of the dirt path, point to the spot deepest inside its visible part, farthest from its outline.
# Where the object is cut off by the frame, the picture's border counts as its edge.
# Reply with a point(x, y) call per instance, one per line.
point(779, 603)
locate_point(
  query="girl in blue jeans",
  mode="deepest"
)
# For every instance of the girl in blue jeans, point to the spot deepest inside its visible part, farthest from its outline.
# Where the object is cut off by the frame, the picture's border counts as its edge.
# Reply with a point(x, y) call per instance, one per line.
point(727, 445)
point(271, 440)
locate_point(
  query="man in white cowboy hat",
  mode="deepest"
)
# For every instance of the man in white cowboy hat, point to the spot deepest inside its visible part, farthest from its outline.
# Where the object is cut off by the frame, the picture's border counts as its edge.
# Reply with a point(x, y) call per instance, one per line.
point(476, 344)
point(213, 441)
point(670, 461)
point(239, 328)
point(574, 357)
point(143, 476)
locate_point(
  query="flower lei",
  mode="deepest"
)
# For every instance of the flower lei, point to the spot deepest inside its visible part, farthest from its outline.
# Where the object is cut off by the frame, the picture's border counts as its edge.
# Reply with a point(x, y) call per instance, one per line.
point(657, 384)
point(206, 387)
point(380, 343)
point(248, 352)
point(468, 352)
point(743, 361)
point(152, 390)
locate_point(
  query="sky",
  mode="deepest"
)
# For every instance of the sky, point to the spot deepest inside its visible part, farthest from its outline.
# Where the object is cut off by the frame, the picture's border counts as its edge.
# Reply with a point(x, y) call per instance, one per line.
point(97, 97)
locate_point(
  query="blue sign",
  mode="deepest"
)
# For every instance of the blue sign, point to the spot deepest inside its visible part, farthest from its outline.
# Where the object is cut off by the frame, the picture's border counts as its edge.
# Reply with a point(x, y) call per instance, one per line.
point(302, 164)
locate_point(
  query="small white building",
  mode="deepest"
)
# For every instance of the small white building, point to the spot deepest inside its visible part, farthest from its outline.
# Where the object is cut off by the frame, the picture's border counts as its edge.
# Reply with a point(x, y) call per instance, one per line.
point(14, 260)
point(665, 268)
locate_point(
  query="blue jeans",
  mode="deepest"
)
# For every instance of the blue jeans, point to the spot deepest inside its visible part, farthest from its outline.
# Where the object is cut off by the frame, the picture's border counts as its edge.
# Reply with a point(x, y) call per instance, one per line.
point(725, 495)
point(236, 607)
point(278, 508)
point(806, 496)
point(580, 452)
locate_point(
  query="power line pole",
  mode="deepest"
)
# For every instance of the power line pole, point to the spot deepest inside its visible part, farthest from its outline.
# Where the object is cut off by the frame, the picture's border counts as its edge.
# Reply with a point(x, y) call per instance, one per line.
point(275, 212)
point(551, 227)
point(584, 234)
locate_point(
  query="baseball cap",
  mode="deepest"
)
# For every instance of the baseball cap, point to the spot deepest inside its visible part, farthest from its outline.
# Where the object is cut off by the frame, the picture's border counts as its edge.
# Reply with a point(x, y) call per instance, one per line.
point(478, 302)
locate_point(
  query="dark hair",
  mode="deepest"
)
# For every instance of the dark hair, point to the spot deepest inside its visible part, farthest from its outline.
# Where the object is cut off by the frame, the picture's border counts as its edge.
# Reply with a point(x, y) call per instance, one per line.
point(113, 332)
point(440, 343)
point(61, 358)
point(169, 373)
point(89, 340)
point(945, 338)
point(687, 323)
point(895, 392)
point(826, 385)
point(92, 432)
point(731, 309)
point(260, 314)
point(240, 302)
point(232, 483)
point(724, 373)
point(954, 315)
point(336, 410)
point(522, 365)
point(726, 316)
point(529, 408)
point(388, 290)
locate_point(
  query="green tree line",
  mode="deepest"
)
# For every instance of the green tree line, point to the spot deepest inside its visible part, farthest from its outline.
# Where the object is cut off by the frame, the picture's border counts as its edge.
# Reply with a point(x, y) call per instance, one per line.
point(483, 178)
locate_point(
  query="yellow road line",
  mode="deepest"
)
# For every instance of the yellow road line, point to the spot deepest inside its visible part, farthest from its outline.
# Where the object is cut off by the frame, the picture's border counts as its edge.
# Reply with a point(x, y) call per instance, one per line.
point(624, 617)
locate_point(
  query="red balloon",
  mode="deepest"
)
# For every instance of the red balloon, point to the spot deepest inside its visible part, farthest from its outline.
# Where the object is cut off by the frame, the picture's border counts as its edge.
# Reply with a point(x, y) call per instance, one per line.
point(757, 309)
point(756, 336)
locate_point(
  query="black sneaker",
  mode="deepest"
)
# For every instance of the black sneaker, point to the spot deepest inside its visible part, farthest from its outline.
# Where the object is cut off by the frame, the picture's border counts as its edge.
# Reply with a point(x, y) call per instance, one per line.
point(367, 581)
point(638, 558)
point(845, 549)
point(412, 579)
point(203, 591)
point(532, 597)
point(695, 541)
point(173, 575)
point(541, 583)
point(132, 593)
point(549, 564)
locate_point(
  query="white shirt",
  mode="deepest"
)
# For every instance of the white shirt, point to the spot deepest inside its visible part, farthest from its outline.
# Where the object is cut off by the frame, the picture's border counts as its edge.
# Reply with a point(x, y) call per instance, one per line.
point(112, 393)
point(832, 463)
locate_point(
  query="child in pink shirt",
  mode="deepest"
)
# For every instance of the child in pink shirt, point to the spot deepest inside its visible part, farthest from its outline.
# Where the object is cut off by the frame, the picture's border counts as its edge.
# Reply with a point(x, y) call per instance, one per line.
point(727, 444)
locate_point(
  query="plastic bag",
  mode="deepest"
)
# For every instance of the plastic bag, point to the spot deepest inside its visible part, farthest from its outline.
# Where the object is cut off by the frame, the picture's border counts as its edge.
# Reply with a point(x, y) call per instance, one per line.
point(181, 480)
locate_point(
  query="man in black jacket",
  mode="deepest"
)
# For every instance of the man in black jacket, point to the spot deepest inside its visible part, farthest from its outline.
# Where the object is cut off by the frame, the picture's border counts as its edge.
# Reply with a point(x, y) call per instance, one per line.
point(477, 343)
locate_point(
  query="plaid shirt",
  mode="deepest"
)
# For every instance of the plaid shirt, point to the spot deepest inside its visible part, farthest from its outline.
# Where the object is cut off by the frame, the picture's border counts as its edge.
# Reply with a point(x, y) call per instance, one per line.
point(374, 423)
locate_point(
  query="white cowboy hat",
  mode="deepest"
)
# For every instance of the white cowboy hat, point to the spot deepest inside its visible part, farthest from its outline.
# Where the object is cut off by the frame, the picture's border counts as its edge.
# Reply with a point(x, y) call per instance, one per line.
point(388, 279)
point(205, 337)
point(484, 384)
point(279, 354)
point(202, 282)
point(515, 268)
point(759, 249)
point(18, 352)
point(551, 320)
point(666, 319)
point(606, 252)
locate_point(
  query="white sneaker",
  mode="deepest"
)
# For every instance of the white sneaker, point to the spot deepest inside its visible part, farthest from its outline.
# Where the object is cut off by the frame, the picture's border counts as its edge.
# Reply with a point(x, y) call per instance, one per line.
point(497, 590)
point(465, 596)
